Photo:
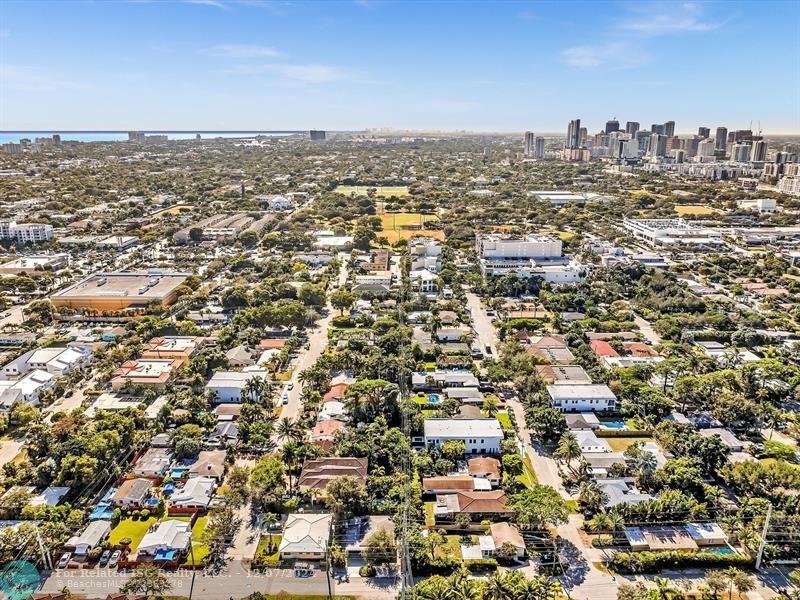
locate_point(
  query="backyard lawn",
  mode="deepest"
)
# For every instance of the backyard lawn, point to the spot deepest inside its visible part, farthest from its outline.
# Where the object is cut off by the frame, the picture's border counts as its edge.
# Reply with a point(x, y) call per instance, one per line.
point(505, 420)
point(451, 547)
point(620, 444)
point(128, 528)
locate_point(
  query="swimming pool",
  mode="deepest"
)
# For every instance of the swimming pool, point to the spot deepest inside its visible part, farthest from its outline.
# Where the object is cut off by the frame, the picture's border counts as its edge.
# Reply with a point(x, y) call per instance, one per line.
point(434, 398)
point(618, 425)
point(726, 550)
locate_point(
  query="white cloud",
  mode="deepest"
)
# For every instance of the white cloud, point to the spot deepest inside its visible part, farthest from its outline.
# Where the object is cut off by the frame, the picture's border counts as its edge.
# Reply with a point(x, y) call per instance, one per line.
point(214, 3)
point(614, 55)
point(305, 73)
point(242, 51)
point(664, 19)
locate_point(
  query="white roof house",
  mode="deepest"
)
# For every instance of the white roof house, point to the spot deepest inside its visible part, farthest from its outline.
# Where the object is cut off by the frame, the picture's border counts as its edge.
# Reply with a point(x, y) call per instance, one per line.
point(306, 535)
point(228, 385)
point(582, 397)
point(50, 496)
point(589, 442)
point(28, 389)
point(424, 379)
point(480, 436)
point(89, 538)
point(169, 535)
point(332, 410)
point(707, 534)
point(111, 402)
point(197, 493)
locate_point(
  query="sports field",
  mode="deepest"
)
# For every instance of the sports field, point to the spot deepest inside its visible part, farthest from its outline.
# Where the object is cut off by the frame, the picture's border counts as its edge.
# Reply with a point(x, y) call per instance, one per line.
point(695, 209)
point(405, 225)
point(381, 191)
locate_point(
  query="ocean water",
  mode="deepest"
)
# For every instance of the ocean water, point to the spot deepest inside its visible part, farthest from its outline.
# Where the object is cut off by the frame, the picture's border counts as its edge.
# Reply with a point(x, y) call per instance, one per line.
point(115, 136)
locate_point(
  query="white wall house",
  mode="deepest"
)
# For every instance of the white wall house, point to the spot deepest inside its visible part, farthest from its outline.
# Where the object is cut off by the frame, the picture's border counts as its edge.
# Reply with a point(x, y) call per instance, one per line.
point(480, 436)
point(227, 386)
point(582, 397)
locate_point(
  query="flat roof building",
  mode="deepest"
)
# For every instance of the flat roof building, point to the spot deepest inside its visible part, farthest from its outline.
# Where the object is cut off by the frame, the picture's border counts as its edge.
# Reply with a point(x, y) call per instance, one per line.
point(121, 290)
point(34, 264)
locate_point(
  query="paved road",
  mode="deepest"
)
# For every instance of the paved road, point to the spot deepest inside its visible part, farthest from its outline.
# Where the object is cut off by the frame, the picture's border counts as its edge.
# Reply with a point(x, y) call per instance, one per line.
point(14, 317)
point(237, 582)
point(73, 402)
point(481, 323)
point(9, 450)
point(317, 342)
point(647, 330)
point(544, 466)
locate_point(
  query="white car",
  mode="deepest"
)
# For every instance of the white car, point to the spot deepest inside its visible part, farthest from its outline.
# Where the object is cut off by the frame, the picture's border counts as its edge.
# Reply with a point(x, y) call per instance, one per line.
point(64, 560)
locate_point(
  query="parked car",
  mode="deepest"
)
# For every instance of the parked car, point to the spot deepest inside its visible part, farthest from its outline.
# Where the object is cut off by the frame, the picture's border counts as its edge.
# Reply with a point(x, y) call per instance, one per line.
point(488, 349)
point(290, 385)
point(114, 559)
point(64, 560)
point(105, 557)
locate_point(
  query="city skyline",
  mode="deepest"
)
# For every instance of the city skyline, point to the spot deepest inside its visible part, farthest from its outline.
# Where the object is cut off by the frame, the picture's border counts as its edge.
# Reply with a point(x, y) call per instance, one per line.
point(228, 64)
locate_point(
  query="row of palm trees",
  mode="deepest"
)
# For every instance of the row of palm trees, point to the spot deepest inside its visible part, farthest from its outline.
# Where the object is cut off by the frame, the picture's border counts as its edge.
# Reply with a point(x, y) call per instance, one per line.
point(512, 585)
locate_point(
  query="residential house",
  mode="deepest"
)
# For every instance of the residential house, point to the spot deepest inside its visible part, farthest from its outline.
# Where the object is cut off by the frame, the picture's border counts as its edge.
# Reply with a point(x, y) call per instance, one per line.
point(196, 493)
point(150, 372)
point(239, 357)
point(319, 472)
point(449, 484)
point(28, 389)
point(333, 410)
point(209, 463)
point(90, 538)
point(582, 397)
point(476, 504)
point(168, 537)
point(485, 467)
point(480, 436)
point(227, 386)
point(506, 533)
point(306, 536)
point(324, 433)
point(582, 421)
point(178, 347)
point(563, 374)
point(155, 462)
point(431, 380)
point(132, 493)
point(589, 442)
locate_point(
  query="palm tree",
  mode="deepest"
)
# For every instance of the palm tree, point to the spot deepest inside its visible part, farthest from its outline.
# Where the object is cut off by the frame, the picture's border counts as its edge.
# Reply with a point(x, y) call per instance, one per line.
point(289, 430)
point(497, 588)
point(740, 580)
point(491, 406)
point(568, 450)
point(663, 589)
point(600, 523)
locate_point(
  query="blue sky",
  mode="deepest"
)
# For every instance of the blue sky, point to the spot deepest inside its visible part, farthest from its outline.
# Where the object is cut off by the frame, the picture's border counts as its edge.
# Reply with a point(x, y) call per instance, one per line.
point(499, 66)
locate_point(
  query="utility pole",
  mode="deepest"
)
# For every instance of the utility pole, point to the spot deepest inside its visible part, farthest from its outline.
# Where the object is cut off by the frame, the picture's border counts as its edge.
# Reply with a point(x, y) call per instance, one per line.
point(763, 538)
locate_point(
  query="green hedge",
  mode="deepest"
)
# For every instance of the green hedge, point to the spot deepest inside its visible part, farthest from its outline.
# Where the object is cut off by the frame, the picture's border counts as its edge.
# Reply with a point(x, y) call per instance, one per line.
point(653, 562)
point(481, 564)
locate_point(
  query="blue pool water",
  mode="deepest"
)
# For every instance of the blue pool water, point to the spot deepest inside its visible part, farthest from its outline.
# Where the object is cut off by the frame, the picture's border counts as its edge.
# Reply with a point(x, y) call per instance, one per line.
point(434, 398)
point(613, 425)
point(727, 550)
